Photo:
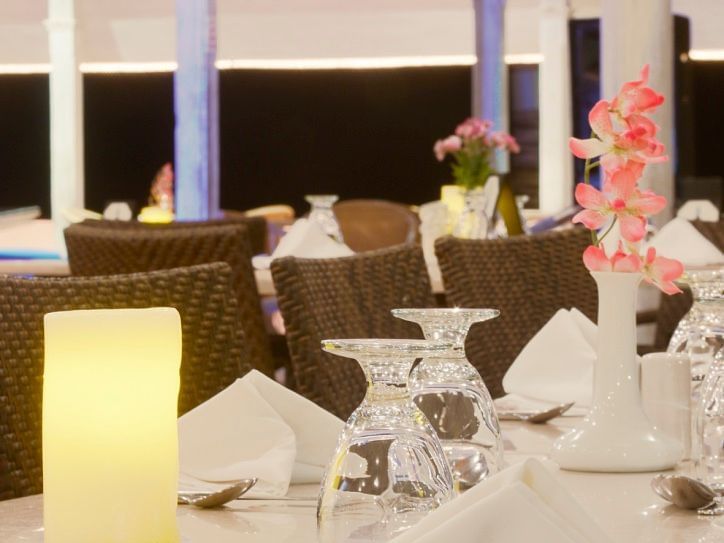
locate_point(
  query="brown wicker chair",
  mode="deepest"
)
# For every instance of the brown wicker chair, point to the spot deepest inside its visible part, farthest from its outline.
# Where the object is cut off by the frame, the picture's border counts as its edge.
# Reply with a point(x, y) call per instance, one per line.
point(256, 226)
point(527, 277)
point(213, 355)
point(375, 224)
point(673, 308)
point(104, 251)
point(347, 297)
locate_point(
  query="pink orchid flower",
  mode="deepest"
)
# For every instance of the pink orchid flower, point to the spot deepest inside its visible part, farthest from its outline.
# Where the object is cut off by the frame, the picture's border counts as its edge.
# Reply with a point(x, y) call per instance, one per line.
point(621, 200)
point(473, 128)
point(595, 259)
point(451, 144)
point(635, 97)
point(636, 142)
point(662, 271)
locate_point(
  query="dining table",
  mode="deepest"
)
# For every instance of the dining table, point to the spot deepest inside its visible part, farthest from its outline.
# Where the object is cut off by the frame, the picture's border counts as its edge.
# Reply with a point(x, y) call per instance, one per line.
point(623, 504)
point(39, 236)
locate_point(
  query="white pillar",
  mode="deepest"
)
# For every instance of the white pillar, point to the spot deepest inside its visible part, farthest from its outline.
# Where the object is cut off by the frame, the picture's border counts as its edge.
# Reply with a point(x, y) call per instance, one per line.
point(555, 174)
point(196, 104)
point(634, 33)
point(66, 111)
point(490, 77)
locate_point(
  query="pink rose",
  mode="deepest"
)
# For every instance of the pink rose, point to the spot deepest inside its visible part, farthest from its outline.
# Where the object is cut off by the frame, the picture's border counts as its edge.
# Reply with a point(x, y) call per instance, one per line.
point(449, 145)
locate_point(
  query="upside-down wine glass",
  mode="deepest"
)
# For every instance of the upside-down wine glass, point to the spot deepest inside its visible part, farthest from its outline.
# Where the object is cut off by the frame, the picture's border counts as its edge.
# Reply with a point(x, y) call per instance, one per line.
point(323, 214)
point(389, 469)
point(709, 427)
point(700, 334)
point(454, 397)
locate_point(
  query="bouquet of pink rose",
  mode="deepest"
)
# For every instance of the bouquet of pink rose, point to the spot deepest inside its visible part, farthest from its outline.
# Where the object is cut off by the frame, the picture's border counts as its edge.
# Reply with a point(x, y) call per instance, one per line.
point(624, 142)
point(470, 148)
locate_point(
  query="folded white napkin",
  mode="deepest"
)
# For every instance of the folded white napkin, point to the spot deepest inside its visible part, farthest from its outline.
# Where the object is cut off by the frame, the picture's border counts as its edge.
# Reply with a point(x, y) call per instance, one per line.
point(525, 502)
point(256, 428)
point(305, 239)
point(679, 239)
point(557, 363)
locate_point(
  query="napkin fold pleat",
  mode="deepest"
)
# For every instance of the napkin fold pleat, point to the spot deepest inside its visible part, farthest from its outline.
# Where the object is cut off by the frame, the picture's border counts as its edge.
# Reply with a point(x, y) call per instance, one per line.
point(681, 240)
point(256, 428)
point(525, 502)
point(557, 363)
point(305, 239)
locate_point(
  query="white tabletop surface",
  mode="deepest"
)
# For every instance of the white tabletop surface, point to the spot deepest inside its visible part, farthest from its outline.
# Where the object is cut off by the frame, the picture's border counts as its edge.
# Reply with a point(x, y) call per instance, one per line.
point(623, 505)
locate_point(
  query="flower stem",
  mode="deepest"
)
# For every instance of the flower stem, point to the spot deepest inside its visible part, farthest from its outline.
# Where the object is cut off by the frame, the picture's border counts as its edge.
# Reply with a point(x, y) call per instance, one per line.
point(608, 230)
point(587, 180)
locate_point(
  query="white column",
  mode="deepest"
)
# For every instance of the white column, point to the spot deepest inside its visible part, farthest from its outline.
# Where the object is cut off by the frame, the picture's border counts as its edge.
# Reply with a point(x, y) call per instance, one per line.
point(555, 174)
point(634, 33)
point(490, 77)
point(66, 111)
point(196, 103)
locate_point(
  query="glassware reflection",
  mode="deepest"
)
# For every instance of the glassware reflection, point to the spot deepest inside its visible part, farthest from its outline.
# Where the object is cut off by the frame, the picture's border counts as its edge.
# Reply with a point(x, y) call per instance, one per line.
point(454, 397)
point(389, 469)
point(700, 333)
point(709, 422)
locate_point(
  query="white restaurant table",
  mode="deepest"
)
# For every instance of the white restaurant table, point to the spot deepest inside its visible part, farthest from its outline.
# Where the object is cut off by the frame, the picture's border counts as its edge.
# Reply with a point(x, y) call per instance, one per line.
point(623, 505)
point(40, 235)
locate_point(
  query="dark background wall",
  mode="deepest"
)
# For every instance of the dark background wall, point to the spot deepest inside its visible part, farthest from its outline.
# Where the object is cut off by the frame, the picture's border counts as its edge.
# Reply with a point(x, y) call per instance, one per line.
point(358, 133)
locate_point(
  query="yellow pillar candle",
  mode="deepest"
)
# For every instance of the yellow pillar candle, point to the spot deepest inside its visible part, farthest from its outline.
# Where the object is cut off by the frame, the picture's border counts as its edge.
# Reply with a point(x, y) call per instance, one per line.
point(110, 443)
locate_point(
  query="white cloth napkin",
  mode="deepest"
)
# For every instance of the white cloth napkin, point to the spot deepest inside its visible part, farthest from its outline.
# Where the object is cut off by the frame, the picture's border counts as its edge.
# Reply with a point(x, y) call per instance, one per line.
point(525, 502)
point(679, 239)
point(305, 240)
point(256, 428)
point(557, 363)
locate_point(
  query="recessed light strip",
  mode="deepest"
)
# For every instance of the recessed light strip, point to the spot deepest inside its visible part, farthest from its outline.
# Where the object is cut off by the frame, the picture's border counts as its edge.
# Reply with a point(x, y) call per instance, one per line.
point(707, 54)
point(350, 63)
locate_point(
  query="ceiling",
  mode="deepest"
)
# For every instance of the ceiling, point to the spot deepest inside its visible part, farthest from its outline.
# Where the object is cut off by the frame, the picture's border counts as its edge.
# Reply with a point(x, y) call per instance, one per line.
point(144, 30)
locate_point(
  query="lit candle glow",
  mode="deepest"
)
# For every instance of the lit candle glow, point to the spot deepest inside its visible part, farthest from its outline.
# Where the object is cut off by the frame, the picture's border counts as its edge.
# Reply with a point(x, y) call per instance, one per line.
point(110, 443)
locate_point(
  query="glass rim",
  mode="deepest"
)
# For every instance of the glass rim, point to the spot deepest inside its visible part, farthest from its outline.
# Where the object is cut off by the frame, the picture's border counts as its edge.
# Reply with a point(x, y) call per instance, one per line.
point(386, 347)
point(479, 314)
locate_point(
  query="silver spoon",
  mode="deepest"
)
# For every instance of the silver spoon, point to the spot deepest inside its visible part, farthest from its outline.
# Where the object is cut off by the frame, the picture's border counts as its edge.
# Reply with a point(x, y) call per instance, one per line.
point(206, 499)
point(536, 417)
point(687, 493)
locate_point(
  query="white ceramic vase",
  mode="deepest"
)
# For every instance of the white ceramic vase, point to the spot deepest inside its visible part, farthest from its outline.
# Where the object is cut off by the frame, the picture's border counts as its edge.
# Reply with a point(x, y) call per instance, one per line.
point(616, 435)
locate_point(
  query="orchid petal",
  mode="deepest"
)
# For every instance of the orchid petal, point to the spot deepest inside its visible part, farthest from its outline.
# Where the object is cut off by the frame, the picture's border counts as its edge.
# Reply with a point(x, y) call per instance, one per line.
point(622, 183)
point(633, 227)
point(627, 263)
point(600, 121)
point(589, 148)
point(648, 203)
point(590, 197)
point(593, 220)
point(595, 259)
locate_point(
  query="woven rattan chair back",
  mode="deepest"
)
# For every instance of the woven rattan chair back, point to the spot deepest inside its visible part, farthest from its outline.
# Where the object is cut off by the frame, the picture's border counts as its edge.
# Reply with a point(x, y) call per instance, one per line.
point(375, 224)
point(527, 277)
point(104, 251)
point(256, 226)
point(213, 355)
point(347, 297)
point(673, 308)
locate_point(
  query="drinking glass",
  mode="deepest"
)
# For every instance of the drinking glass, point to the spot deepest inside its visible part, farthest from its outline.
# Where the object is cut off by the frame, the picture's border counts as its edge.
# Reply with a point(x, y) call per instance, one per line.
point(389, 469)
point(453, 396)
point(709, 425)
point(700, 334)
point(323, 214)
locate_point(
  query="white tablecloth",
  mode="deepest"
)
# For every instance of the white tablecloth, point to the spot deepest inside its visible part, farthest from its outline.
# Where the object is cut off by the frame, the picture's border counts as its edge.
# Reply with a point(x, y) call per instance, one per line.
point(623, 504)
